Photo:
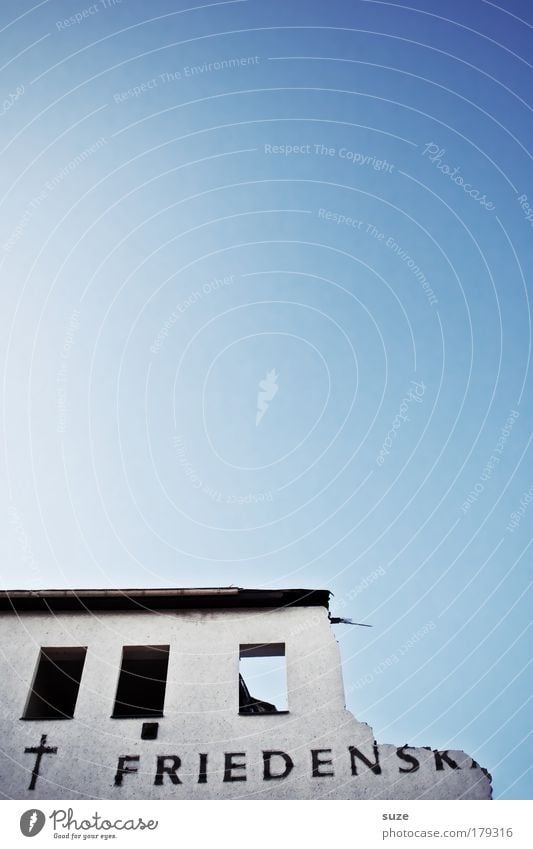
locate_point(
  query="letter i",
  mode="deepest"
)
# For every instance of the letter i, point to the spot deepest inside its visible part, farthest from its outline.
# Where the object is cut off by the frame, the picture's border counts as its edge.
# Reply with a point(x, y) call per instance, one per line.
point(202, 774)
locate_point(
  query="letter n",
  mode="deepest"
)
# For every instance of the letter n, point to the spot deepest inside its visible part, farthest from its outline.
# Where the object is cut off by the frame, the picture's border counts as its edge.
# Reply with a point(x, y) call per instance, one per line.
point(355, 753)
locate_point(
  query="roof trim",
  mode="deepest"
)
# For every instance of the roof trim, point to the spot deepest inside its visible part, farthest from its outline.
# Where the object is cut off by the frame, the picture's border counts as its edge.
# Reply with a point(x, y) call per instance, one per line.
point(160, 598)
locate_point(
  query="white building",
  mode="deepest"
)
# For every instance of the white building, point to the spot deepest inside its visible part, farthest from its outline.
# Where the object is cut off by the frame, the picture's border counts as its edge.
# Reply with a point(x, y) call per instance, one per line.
point(151, 694)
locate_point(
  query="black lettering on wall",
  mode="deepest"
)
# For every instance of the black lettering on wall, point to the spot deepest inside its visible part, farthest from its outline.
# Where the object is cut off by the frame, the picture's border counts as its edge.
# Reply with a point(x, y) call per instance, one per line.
point(415, 765)
point(443, 757)
point(122, 769)
point(355, 753)
point(268, 775)
point(229, 766)
point(317, 762)
point(162, 769)
point(202, 774)
point(39, 751)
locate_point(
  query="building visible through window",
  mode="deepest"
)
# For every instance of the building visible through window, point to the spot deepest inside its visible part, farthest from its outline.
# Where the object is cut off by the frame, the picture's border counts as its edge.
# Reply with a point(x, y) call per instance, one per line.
point(142, 682)
point(262, 678)
point(56, 683)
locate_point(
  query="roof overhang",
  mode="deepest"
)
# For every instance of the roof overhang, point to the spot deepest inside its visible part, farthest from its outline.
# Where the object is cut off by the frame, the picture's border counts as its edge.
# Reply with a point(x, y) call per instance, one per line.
point(160, 599)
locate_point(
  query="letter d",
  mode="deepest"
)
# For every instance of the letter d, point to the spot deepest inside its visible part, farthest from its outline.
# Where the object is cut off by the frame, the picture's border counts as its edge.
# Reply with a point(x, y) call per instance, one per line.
point(268, 775)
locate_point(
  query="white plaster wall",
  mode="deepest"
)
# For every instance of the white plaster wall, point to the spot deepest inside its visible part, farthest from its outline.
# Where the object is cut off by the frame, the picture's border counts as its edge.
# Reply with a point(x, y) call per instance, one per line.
point(201, 713)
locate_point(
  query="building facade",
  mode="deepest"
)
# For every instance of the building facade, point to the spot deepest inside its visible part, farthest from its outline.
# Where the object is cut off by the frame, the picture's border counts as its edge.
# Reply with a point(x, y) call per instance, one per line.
point(146, 694)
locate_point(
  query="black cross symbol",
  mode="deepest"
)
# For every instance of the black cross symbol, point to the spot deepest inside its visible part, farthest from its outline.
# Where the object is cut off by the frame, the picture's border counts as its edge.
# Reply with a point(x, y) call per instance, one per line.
point(39, 750)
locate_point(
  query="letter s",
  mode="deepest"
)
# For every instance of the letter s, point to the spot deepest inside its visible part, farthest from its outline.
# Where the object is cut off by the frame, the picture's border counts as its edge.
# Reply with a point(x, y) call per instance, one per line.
point(415, 766)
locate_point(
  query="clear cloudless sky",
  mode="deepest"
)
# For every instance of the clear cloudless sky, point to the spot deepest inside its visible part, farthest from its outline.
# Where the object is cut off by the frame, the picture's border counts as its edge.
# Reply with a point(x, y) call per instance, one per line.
point(264, 321)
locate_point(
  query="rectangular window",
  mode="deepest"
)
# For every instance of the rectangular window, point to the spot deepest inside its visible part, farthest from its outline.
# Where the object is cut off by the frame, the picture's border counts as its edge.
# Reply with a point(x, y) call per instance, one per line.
point(56, 683)
point(142, 682)
point(262, 678)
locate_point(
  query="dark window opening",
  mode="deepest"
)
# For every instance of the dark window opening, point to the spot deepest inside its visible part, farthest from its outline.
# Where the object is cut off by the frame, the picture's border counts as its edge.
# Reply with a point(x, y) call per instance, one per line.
point(149, 730)
point(262, 671)
point(142, 682)
point(56, 683)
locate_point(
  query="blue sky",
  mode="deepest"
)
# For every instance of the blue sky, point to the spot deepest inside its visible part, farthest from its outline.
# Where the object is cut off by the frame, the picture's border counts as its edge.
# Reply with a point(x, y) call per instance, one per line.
point(317, 212)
